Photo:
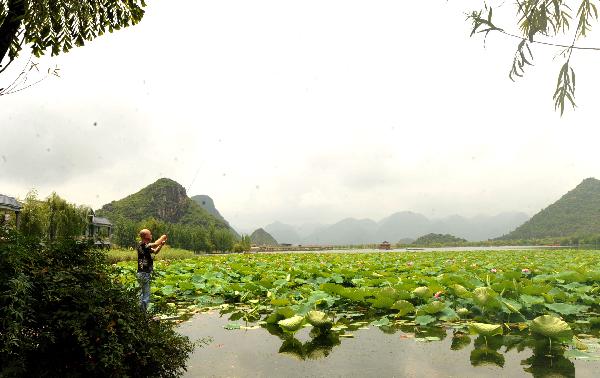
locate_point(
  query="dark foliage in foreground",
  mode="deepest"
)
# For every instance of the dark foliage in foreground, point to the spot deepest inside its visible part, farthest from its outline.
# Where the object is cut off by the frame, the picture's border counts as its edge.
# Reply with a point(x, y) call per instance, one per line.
point(62, 315)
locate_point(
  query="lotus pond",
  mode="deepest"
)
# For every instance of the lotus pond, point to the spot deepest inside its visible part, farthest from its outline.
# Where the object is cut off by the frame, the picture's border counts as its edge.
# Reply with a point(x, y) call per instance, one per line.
point(487, 304)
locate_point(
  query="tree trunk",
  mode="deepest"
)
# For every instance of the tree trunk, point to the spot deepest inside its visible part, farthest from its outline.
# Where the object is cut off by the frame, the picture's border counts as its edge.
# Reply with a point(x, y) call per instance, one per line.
point(10, 26)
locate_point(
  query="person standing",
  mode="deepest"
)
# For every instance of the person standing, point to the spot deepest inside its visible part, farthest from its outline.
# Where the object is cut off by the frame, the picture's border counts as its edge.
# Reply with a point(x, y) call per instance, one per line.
point(146, 263)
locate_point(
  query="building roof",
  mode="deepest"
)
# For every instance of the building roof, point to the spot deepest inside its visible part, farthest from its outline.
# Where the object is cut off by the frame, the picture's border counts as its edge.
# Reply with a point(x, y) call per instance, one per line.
point(9, 203)
point(98, 221)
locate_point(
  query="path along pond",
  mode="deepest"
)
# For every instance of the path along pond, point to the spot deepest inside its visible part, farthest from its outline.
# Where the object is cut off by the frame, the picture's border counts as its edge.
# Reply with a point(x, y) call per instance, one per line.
point(453, 313)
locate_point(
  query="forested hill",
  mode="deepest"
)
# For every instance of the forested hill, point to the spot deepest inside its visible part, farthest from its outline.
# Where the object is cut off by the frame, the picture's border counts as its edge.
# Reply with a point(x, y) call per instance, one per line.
point(208, 204)
point(577, 213)
point(432, 238)
point(165, 200)
point(262, 237)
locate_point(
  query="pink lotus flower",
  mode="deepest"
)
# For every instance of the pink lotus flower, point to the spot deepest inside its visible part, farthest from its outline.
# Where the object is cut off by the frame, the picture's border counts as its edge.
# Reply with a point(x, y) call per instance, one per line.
point(525, 270)
point(493, 270)
point(437, 295)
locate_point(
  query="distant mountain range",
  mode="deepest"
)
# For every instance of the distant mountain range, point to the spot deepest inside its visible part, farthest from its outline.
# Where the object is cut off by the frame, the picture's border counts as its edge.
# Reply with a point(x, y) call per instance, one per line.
point(577, 213)
point(403, 225)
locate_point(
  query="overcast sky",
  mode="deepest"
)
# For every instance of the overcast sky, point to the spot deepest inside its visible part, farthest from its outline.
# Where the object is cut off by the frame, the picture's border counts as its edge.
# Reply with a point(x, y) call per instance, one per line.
point(305, 111)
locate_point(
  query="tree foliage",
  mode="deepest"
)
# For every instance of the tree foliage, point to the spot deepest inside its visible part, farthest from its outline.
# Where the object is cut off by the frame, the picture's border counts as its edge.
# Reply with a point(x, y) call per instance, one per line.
point(60, 25)
point(61, 314)
point(243, 245)
point(52, 218)
point(544, 22)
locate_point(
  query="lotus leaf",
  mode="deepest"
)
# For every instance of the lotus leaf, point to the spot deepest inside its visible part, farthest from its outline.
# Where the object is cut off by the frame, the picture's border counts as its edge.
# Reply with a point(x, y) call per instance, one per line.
point(536, 289)
point(571, 276)
point(422, 292)
point(462, 312)
point(424, 320)
point(485, 297)
point(403, 307)
point(567, 309)
point(319, 319)
point(485, 329)
point(512, 306)
point(384, 321)
point(292, 324)
point(382, 302)
point(461, 292)
point(551, 326)
point(433, 307)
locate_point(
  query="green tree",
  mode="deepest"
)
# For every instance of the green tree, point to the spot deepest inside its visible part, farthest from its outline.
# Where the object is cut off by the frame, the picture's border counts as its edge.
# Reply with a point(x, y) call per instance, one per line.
point(52, 218)
point(34, 217)
point(60, 25)
point(543, 22)
point(65, 219)
point(243, 245)
point(222, 239)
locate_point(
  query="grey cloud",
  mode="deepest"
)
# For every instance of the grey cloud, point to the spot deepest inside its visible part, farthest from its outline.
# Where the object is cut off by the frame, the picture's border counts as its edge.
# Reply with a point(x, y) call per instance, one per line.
point(56, 147)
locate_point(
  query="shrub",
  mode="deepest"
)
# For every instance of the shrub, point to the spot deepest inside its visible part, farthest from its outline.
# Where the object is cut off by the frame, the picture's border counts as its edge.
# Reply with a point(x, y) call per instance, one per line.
point(62, 315)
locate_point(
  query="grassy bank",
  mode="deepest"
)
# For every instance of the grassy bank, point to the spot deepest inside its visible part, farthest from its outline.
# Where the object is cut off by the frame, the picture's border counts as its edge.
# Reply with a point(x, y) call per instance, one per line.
point(167, 253)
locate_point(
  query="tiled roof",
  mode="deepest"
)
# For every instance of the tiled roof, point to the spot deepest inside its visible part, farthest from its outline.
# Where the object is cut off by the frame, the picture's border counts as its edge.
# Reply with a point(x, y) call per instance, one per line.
point(7, 202)
point(98, 221)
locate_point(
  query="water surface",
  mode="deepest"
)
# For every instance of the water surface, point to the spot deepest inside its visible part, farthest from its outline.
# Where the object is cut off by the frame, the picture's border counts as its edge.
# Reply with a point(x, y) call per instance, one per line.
point(372, 352)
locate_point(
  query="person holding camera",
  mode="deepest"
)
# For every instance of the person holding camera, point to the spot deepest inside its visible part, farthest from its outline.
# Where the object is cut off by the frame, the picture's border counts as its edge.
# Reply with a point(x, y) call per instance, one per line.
point(146, 263)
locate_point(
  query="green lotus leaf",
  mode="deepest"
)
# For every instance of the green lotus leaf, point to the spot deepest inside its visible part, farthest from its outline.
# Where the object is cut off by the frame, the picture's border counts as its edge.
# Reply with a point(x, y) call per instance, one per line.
point(551, 326)
point(382, 302)
point(186, 285)
point(424, 320)
point(292, 324)
point(403, 307)
point(485, 297)
point(280, 301)
point(384, 321)
point(571, 276)
point(485, 329)
point(354, 294)
point(512, 306)
point(530, 300)
point(566, 309)
point(167, 290)
point(319, 319)
point(422, 292)
point(388, 292)
point(433, 307)
point(462, 312)
point(536, 289)
point(447, 315)
point(461, 292)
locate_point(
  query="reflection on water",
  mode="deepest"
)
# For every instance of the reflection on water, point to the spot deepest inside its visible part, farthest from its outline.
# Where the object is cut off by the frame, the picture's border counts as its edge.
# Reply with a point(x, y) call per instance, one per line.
point(365, 350)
